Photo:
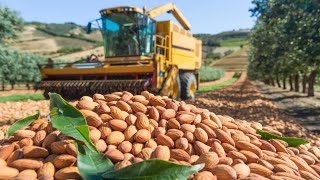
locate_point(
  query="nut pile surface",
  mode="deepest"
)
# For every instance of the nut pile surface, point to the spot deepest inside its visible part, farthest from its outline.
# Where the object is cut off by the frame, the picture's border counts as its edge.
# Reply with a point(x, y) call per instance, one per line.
point(129, 129)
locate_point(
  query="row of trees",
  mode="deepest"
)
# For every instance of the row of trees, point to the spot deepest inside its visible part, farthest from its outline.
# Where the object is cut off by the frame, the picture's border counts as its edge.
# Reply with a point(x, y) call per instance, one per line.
point(285, 43)
point(15, 67)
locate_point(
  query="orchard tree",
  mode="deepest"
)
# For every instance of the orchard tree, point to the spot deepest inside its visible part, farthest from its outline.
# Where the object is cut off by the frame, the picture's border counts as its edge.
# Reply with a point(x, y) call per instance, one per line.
point(10, 24)
point(285, 43)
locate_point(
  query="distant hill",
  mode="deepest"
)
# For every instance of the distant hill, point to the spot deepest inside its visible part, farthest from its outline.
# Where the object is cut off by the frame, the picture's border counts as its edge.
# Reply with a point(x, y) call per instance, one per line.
point(227, 38)
point(55, 40)
point(69, 41)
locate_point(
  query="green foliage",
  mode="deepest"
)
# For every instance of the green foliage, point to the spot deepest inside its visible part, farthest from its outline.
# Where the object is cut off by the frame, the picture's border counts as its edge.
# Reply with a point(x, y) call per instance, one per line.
point(21, 97)
point(210, 74)
point(292, 142)
point(68, 50)
point(285, 40)
point(22, 123)
point(217, 86)
point(228, 52)
point(234, 42)
point(154, 170)
point(69, 120)
point(60, 29)
point(10, 23)
point(91, 163)
point(228, 38)
point(16, 67)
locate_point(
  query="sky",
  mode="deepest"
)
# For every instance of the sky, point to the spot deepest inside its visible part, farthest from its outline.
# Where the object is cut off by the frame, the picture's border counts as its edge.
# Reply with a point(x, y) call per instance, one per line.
point(205, 16)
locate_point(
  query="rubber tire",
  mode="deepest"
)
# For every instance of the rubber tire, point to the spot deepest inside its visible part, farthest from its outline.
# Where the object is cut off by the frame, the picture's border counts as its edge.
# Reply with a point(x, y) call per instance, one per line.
point(187, 78)
point(179, 86)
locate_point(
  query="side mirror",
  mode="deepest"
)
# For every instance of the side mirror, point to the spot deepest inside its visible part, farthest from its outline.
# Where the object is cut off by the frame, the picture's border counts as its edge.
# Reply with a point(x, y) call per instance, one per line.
point(88, 29)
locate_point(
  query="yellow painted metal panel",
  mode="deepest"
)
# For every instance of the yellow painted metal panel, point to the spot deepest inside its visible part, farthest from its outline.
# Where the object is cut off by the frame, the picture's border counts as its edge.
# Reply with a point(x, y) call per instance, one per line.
point(183, 59)
point(183, 41)
point(102, 71)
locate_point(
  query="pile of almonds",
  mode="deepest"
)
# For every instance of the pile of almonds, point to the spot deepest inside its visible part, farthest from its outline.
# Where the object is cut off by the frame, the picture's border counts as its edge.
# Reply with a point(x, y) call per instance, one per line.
point(131, 128)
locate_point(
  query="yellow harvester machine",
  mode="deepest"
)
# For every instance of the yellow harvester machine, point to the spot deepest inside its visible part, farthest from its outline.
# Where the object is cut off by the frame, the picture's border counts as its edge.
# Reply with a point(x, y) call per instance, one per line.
point(140, 54)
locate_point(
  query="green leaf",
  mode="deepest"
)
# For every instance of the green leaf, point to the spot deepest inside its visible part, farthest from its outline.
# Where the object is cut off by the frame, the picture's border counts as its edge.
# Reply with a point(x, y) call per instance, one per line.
point(154, 170)
point(69, 120)
point(92, 164)
point(22, 123)
point(292, 142)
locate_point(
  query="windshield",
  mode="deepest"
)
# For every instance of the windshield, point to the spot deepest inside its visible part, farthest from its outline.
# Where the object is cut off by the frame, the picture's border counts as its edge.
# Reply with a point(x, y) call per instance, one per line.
point(128, 34)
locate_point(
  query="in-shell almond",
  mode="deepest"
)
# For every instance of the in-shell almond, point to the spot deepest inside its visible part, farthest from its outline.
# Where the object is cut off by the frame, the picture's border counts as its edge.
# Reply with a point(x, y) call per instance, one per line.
point(59, 147)
point(168, 114)
point(47, 170)
point(174, 134)
point(179, 154)
point(224, 137)
point(21, 134)
point(39, 137)
point(153, 113)
point(201, 135)
point(186, 118)
point(217, 148)
point(23, 164)
point(142, 121)
point(124, 106)
point(114, 155)
point(138, 107)
point(35, 152)
point(243, 145)
point(242, 170)
point(224, 172)
point(117, 113)
point(115, 138)
point(5, 151)
point(156, 101)
point(165, 141)
point(101, 145)
point(92, 118)
point(68, 173)
point(125, 147)
point(8, 172)
point(181, 143)
point(25, 142)
point(86, 104)
point(118, 125)
point(210, 159)
point(259, 169)
point(142, 136)
point(130, 132)
point(64, 160)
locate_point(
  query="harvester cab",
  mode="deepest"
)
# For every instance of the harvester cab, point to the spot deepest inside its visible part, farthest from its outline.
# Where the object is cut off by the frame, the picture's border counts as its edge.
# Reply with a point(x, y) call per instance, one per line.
point(140, 54)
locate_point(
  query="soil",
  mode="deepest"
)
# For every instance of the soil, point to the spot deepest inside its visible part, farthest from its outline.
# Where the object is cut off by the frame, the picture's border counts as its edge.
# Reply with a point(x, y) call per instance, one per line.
point(306, 110)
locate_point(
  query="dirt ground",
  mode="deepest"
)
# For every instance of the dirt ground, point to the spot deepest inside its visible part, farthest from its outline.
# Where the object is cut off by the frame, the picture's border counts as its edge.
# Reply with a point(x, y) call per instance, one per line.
point(304, 109)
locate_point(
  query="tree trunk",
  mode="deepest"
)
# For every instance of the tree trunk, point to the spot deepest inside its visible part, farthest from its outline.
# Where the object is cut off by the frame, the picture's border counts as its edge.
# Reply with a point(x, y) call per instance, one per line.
point(284, 83)
point(296, 83)
point(3, 86)
point(28, 86)
point(12, 86)
point(272, 81)
point(311, 82)
point(304, 83)
point(278, 81)
point(291, 83)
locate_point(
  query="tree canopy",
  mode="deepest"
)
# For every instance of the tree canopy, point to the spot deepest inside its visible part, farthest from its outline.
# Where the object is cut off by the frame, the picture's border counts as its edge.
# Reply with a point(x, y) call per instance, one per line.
point(285, 42)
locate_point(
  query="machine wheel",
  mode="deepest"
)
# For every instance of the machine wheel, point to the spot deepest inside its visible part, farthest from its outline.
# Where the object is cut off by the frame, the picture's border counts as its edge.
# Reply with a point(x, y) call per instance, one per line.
point(176, 91)
point(188, 85)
